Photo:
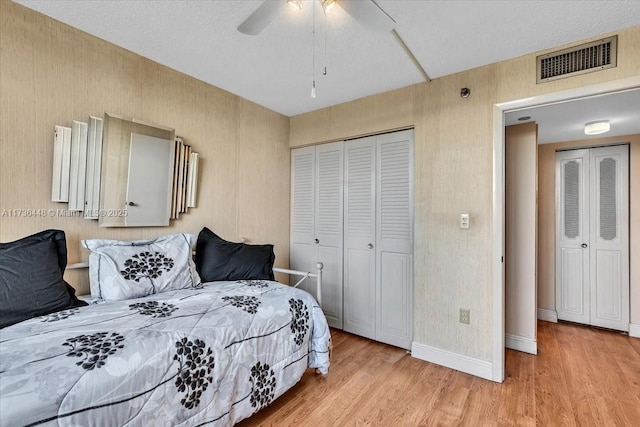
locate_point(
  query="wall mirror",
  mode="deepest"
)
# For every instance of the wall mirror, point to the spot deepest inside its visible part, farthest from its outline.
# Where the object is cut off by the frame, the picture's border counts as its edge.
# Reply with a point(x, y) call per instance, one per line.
point(137, 173)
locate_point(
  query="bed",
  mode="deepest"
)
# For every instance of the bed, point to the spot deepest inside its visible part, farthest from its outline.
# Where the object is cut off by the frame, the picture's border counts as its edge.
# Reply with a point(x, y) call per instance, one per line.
point(210, 353)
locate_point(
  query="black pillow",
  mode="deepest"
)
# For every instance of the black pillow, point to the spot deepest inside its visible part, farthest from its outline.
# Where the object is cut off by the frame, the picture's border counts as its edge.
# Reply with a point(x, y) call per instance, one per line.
point(31, 282)
point(218, 260)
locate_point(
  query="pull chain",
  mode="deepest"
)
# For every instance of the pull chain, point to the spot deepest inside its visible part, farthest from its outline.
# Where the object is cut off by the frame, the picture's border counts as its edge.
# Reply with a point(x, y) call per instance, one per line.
point(325, 43)
point(313, 52)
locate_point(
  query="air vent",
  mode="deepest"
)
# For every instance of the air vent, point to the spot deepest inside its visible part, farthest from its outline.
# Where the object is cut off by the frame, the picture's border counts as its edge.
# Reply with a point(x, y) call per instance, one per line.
point(585, 58)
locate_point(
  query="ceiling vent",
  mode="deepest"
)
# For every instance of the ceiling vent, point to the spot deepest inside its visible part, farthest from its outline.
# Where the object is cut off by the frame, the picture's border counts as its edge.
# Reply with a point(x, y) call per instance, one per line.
point(585, 58)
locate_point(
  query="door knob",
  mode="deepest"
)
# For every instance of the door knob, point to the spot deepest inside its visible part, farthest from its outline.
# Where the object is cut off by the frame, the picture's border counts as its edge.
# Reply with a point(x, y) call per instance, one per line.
point(131, 204)
point(316, 241)
point(584, 245)
point(370, 246)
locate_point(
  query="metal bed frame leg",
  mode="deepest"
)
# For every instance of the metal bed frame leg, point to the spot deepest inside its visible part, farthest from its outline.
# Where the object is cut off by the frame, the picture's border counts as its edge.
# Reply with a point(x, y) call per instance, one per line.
point(319, 267)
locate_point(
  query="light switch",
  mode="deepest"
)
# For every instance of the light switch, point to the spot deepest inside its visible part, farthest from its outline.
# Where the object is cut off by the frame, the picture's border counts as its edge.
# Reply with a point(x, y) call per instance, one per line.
point(464, 221)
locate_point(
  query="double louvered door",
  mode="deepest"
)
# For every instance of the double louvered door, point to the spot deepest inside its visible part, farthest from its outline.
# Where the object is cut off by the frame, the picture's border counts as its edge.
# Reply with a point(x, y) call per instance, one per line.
point(378, 238)
point(592, 236)
point(358, 222)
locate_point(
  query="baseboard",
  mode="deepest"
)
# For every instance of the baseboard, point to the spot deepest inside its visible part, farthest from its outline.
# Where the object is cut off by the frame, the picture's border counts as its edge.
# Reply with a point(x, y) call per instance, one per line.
point(547, 315)
point(634, 330)
point(449, 359)
point(516, 342)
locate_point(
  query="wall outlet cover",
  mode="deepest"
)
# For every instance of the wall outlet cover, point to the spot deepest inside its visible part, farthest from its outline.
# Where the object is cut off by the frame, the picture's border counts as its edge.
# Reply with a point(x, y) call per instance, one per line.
point(465, 316)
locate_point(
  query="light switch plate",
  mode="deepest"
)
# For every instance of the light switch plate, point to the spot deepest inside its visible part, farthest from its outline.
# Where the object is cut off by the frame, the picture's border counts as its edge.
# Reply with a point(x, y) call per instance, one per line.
point(464, 221)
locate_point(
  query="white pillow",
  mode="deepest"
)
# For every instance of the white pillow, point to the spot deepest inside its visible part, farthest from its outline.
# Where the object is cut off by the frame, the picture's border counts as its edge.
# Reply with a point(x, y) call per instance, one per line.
point(122, 270)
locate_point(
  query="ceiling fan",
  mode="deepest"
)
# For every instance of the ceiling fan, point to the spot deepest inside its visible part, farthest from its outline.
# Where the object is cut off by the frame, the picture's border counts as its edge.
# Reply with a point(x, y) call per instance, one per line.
point(366, 12)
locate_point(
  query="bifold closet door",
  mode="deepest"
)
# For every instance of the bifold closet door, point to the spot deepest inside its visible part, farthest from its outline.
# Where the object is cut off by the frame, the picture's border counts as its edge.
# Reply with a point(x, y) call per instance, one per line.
point(302, 249)
point(352, 209)
point(394, 238)
point(316, 221)
point(592, 242)
point(359, 237)
point(609, 243)
point(572, 235)
point(328, 227)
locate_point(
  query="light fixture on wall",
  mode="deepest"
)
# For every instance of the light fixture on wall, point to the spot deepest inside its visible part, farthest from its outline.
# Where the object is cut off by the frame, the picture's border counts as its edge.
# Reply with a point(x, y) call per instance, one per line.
point(296, 4)
point(596, 128)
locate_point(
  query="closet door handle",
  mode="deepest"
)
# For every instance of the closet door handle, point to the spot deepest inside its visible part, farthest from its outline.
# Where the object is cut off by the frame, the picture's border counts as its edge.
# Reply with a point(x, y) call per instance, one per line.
point(584, 245)
point(370, 246)
point(316, 241)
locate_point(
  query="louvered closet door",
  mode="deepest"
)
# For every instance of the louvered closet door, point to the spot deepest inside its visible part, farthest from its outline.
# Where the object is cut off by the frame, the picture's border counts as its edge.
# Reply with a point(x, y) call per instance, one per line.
point(394, 248)
point(572, 236)
point(328, 227)
point(359, 237)
point(302, 248)
point(609, 246)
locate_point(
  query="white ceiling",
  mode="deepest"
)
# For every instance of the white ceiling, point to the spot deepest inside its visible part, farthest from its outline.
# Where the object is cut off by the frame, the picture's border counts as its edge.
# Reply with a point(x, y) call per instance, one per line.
point(274, 68)
point(565, 121)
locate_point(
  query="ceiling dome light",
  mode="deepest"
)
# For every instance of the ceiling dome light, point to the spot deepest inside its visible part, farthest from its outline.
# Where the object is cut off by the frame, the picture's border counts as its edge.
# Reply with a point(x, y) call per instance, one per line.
point(596, 128)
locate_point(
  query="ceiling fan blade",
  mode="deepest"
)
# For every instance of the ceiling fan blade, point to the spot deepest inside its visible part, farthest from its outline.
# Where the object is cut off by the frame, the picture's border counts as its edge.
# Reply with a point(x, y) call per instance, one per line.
point(369, 14)
point(261, 17)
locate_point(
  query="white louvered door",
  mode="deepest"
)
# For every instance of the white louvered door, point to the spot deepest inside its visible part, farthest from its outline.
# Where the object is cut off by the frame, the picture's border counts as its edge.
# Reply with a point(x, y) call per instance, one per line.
point(394, 242)
point(316, 221)
point(328, 227)
point(302, 248)
point(592, 236)
point(378, 240)
point(352, 210)
point(359, 237)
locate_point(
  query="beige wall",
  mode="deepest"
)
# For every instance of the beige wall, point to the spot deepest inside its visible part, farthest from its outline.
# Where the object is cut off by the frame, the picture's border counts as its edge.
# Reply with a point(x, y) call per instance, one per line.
point(51, 74)
point(521, 181)
point(453, 158)
point(546, 217)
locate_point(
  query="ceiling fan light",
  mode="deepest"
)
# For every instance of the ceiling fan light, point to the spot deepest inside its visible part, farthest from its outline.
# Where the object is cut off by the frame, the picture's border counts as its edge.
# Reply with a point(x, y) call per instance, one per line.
point(327, 5)
point(296, 4)
point(596, 128)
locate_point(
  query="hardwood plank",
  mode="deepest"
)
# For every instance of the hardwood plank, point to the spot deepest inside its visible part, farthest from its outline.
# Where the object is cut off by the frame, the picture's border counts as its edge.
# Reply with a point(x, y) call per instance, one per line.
point(581, 376)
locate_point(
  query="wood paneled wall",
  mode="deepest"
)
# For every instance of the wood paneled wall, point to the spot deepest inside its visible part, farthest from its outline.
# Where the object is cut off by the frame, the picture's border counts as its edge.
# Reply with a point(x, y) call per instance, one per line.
point(454, 168)
point(52, 74)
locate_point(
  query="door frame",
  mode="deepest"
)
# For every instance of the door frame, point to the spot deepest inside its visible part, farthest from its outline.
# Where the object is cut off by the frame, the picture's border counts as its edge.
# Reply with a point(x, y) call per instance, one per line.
point(499, 111)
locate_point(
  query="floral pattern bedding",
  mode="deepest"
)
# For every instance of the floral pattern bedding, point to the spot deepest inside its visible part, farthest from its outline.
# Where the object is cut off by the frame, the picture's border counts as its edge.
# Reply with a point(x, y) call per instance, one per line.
point(210, 355)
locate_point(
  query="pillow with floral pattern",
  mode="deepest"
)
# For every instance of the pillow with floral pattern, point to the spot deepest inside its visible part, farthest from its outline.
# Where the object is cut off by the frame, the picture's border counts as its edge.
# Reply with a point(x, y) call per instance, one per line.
point(121, 270)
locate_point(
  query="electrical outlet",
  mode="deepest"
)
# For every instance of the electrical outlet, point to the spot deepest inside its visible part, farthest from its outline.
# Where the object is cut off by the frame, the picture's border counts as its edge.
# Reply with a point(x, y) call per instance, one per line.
point(465, 316)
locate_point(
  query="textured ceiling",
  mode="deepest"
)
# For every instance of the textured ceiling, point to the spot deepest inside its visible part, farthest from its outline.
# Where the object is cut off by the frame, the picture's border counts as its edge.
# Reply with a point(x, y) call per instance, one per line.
point(565, 121)
point(274, 68)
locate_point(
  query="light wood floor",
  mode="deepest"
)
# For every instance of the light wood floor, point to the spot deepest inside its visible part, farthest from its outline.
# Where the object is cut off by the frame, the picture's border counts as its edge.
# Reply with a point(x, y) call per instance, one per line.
point(580, 377)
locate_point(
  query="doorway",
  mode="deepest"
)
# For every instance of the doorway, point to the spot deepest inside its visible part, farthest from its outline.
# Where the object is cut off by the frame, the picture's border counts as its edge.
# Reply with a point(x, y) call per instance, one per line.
point(498, 290)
